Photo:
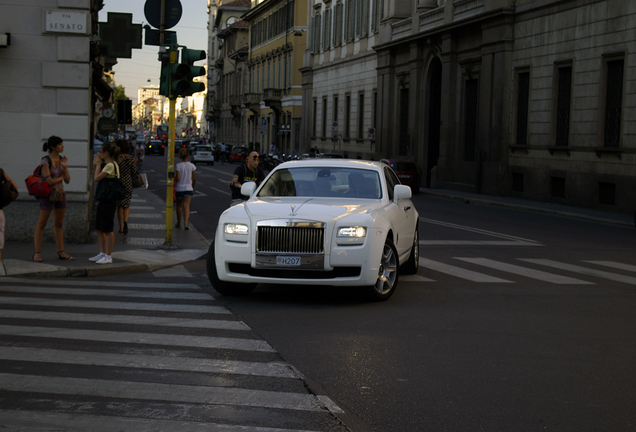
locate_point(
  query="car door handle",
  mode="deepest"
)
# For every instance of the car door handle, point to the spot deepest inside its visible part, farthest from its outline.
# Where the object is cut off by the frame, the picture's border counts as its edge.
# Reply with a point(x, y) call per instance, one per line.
point(407, 208)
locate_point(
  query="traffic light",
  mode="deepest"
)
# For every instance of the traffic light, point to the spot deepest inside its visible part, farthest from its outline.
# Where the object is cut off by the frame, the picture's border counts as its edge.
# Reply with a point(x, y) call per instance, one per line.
point(167, 54)
point(183, 73)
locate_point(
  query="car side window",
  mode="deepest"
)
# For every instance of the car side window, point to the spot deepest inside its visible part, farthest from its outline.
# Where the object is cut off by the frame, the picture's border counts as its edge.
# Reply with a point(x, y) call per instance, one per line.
point(391, 181)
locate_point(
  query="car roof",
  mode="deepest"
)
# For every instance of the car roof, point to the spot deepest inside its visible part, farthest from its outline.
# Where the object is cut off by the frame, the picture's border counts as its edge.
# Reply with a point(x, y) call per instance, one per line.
point(335, 162)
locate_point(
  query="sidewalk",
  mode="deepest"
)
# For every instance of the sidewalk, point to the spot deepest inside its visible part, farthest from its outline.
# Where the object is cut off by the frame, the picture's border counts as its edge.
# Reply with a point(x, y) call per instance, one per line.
point(615, 218)
point(142, 250)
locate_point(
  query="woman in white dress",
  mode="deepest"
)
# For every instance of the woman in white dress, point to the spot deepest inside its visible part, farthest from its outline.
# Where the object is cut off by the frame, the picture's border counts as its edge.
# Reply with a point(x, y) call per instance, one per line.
point(185, 179)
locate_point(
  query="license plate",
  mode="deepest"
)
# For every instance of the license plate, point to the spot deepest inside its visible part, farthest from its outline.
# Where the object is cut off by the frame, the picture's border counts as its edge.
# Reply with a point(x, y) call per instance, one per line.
point(404, 176)
point(287, 261)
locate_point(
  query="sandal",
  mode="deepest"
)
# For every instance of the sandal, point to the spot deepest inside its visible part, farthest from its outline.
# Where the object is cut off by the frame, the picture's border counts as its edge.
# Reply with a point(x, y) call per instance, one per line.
point(65, 258)
point(37, 260)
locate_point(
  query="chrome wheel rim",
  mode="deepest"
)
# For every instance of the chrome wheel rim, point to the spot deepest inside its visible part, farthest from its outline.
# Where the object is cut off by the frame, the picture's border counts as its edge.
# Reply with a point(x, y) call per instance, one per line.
point(387, 273)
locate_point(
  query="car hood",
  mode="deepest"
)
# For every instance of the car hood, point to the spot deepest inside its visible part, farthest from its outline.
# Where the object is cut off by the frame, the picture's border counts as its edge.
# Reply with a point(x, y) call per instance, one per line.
point(319, 209)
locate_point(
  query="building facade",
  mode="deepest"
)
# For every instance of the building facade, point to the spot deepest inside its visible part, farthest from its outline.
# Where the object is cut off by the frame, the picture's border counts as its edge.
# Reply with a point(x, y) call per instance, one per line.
point(46, 89)
point(340, 78)
point(526, 98)
point(274, 82)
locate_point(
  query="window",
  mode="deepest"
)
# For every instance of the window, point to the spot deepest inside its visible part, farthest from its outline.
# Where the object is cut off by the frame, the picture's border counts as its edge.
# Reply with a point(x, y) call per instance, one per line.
point(523, 99)
point(326, 34)
point(361, 116)
point(324, 117)
point(318, 28)
point(613, 102)
point(315, 113)
point(349, 30)
point(564, 92)
point(470, 119)
point(347, 116)
point(335, 108)
point(337, 28)
point(375, 15)
point(404, 121)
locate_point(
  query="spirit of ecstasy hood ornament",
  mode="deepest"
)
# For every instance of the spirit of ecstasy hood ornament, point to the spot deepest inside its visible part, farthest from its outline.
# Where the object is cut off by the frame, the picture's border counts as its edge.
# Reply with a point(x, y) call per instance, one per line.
point(293, 208)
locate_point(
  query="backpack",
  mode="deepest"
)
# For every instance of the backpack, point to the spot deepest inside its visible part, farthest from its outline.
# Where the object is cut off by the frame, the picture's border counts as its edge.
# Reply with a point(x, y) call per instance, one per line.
point(36, 184)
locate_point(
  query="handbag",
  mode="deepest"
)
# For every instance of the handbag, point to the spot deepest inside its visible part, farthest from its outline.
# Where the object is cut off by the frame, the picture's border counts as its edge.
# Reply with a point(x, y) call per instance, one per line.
point(110, 189)
point(36, 184)
point(8, 193)
point(56, 195)
point(137, 180)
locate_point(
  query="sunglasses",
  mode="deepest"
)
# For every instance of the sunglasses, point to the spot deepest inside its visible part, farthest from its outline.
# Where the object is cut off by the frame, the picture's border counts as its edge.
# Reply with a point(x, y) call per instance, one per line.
point(255, 157)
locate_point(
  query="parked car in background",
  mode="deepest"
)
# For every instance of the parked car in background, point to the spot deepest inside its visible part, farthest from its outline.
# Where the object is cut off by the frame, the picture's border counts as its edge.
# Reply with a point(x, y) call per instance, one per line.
point(238, 153)
point(203, 153)
point(178, 145)
point(155, 146)
point(342, 223)
point(408, 172)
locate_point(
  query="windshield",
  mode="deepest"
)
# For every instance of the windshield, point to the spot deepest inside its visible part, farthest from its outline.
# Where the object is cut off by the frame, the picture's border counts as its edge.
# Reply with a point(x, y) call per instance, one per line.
point(323, 182)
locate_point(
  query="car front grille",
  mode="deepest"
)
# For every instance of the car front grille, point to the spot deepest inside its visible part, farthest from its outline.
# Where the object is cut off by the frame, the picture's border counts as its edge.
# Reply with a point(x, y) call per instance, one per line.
point(298, 238)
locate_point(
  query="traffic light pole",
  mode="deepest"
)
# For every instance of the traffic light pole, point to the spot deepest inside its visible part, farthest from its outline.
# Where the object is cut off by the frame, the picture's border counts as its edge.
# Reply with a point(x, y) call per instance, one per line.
point(170, 163)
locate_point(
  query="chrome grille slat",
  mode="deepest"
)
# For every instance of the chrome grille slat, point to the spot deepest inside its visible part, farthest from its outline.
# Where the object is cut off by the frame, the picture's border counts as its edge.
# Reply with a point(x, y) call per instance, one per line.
point(280, 239)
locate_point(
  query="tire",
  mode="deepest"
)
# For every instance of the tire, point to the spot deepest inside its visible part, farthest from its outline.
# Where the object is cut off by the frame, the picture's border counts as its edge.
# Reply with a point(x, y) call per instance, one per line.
point(388, 274)
point(413, 263)
point(222, 287)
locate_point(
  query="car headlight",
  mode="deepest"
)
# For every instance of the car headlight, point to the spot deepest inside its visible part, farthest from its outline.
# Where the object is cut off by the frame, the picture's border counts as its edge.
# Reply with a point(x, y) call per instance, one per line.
point(355, 232)
point(353, 235)
point(235, 228)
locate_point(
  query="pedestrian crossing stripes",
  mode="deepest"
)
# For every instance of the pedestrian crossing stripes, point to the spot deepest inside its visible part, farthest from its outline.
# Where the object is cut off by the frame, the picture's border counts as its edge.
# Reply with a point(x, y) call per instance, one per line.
point(430, 267)
point(138, 357)
point(93, 423)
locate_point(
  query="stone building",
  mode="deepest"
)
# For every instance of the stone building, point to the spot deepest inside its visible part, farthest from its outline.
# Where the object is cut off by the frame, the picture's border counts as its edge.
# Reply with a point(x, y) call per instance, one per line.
point(340, 78)
point(46, 89)
point(274, 81)
point(233, 41)
point(526, 98)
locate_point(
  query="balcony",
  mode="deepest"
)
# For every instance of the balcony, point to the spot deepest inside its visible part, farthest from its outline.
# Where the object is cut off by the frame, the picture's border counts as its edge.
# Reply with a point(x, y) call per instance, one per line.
point(252, 101)
point(272, 97)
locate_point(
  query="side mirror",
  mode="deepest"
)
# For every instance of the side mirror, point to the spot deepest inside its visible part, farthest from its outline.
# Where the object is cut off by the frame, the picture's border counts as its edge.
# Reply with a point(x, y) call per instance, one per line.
point(248, 188)
point(400, 192)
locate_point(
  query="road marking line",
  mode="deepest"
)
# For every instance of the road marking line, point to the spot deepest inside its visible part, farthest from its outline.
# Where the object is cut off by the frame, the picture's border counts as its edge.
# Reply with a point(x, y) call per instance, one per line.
point(125, 319)
point(105, 292)
point(582, 270)
point(145, 215)
point(173, 393)
point(268, 369)
point(156, 307)
point(415, 278)
point(460, 272)
point(616, 265)
point(39, 420)
point(480, 231)
point(476, 243)
point(71, 282)
point(138, 338)
point(524, 271)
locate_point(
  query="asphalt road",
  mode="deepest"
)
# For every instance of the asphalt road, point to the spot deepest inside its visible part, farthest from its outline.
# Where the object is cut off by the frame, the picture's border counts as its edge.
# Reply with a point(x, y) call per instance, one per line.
point(516, 321)
point(519, 321)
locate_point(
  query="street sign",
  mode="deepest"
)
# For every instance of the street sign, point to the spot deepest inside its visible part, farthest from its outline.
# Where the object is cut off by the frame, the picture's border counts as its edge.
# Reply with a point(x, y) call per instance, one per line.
point(334, 124)
point(152, 10)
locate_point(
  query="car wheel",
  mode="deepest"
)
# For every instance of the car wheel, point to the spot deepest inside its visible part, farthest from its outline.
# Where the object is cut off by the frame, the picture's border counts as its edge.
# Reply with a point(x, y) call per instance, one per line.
point(413, 263)
point(222, 287)
point(212, 163)
point(388, 274)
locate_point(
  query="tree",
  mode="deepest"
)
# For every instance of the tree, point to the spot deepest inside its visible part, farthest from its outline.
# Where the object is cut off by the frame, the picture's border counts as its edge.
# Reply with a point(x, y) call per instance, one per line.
point(119, 94)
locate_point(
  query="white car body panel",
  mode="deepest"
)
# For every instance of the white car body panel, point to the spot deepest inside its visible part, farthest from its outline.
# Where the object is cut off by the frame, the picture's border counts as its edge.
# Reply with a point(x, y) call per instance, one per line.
point(382, 217)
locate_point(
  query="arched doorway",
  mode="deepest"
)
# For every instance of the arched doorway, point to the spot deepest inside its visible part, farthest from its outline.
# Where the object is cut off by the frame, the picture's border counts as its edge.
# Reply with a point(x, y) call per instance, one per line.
point(434, 102)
